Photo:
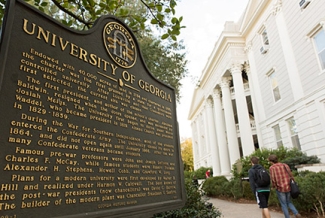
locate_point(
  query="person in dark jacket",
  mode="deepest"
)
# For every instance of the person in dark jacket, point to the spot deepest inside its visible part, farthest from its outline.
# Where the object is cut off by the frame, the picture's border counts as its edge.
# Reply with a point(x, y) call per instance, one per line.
point(261, 193)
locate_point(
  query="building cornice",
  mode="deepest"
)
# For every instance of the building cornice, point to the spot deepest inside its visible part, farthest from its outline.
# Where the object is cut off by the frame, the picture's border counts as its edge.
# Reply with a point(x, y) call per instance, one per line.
point(277, 7)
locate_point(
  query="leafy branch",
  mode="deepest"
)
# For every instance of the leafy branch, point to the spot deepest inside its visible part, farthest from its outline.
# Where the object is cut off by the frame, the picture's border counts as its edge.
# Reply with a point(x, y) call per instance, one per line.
point(81, 20)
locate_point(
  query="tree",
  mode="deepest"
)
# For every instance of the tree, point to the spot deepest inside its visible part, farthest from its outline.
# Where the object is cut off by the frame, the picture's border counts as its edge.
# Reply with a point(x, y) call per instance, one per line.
point(163, 55)
point(187, 154)
point(82, 14)
point(164, 60)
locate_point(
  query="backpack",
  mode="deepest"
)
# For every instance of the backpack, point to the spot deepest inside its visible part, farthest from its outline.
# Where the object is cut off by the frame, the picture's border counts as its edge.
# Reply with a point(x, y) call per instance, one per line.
point(262, 177)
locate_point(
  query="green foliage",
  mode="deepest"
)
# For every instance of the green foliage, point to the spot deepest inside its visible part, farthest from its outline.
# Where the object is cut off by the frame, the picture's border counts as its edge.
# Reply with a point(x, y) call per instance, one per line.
point(273, 198)
point(292, 157)
point(312, 186)
point(188, 174)
point(165, 60)
point(2, 10)
point(200, 173)
point(221, 186)
point(301, 159)
point(234, 188)
point(283, 153)
point(139, 15)
point(241, 167)
point(247, 191)
point(195, 206)
point(215, 186)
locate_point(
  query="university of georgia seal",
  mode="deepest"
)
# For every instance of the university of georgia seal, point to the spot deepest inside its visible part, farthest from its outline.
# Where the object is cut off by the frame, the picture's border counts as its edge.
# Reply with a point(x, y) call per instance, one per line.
point(119, 44)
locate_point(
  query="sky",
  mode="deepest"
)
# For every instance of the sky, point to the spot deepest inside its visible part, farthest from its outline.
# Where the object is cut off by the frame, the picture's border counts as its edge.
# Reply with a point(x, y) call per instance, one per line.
point(204, 21)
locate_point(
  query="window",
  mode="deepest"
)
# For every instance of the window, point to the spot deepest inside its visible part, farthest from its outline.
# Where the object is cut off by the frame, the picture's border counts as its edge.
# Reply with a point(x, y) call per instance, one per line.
point(265, 38)
point(278, 136)
point(274, 86)
point(319, 40)
point(294, 133)
point(303, 4)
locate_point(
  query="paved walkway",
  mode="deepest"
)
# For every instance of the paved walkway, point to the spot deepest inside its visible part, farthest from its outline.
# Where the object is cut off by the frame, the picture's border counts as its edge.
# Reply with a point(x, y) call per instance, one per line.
point(239, 210)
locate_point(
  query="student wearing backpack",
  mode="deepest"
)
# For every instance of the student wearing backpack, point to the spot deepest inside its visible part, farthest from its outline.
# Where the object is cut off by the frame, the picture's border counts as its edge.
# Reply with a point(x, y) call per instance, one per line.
point(259, 181)
point(279, 173)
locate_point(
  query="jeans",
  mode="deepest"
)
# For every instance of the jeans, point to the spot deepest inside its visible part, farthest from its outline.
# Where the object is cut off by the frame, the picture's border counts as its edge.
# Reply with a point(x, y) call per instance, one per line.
point(285, 201)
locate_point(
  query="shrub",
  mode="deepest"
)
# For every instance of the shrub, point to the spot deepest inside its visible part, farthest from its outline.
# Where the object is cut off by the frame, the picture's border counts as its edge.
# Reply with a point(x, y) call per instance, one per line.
point(245, 163)
point(215, 186)
point(195, 206)
point(200, 173)
point(283, 153)
point(234, 188)
point(188, 174)
point(273, 198)
point(302, 159)
point(247, 191)
point(312, 187)
point(292, 157)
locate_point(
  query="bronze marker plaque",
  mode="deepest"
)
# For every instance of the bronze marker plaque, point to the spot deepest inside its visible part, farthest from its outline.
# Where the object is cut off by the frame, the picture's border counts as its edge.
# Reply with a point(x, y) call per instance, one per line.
point(86, 130)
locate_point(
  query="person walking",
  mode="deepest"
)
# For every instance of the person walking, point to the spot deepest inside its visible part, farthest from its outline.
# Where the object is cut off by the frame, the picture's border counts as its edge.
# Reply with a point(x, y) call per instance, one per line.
point(280, 178)
point(261, 192)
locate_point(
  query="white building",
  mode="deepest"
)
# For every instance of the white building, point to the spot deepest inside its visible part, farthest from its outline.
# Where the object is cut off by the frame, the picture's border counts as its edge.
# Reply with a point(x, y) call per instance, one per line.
point(263, 85)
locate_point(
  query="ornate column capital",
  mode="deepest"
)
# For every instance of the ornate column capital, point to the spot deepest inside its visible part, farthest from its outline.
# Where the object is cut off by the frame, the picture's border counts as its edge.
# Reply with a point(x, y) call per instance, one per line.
point(225, 82)
point(236, 68)
point(209, 103)
point(216, 94)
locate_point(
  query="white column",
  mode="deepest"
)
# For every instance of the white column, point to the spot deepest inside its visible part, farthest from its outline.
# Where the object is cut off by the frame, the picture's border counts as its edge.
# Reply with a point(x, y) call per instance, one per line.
point(195, 144)
point(254, 82)
point(254, 104)
point(221, 134)
point(212, 139)
point(289, 56)
point(206, 128)
point(199, 141)
point(246, 135)
point(233, 147)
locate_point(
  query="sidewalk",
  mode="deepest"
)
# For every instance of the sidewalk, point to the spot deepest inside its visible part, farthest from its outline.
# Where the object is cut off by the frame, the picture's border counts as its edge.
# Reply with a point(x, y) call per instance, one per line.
point(239, 210)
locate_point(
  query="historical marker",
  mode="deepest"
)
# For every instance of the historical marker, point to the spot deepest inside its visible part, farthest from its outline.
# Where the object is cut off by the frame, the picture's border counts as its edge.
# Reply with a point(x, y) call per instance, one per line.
point(86, 130)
